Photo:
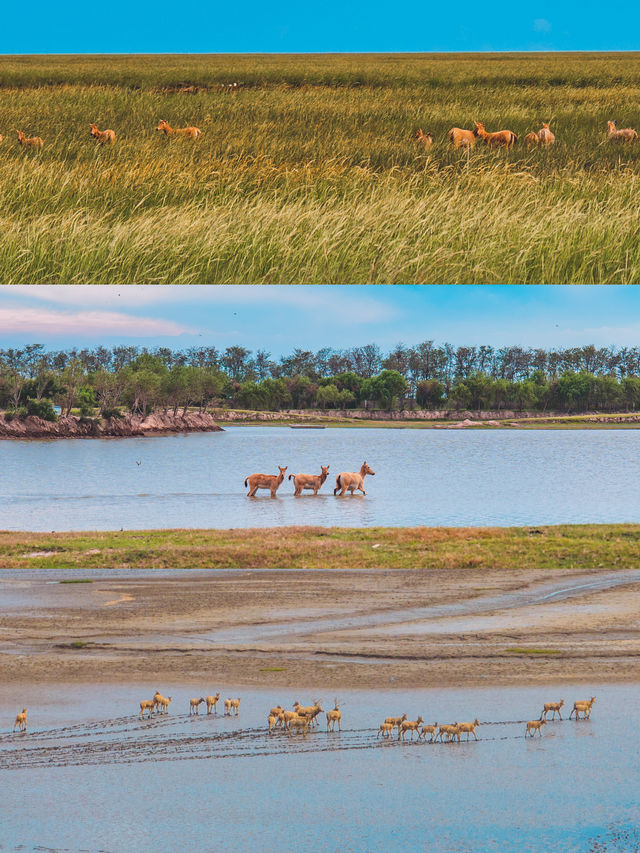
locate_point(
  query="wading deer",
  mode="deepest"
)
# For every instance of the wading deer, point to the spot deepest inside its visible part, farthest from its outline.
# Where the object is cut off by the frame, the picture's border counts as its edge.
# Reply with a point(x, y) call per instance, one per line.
point(190, 132)
point(428, 730)
point(265, 481)
point(534, 726)
point(212, 702)
point(469, 728)
point(102, 136)
point(582, 707)
point(349, 481)
point(147, 705)
point(309, 481)
point(386, 730)
point(194, 705)
point(21, 721)
point(395, 721)
point(552, 706)
point(499, 138)
point(409, 726)
point(334, 717)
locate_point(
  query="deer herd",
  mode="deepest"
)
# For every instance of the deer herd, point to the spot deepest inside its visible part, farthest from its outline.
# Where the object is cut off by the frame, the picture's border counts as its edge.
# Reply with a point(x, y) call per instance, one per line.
point(303, 718)
point(460, 138)
point(346, 481)
point(457, 136)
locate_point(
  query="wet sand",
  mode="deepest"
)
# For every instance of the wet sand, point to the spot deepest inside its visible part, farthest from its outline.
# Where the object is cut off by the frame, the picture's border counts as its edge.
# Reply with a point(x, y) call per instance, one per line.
point(334, 628)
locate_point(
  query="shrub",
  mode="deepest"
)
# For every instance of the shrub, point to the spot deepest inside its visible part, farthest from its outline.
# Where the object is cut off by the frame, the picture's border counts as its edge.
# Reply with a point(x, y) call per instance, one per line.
point(41, 409)
point(111, 413)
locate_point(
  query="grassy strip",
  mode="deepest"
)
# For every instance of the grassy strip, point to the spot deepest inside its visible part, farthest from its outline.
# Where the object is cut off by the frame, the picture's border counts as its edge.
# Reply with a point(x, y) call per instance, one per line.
point(563, 546)
point(311, 174)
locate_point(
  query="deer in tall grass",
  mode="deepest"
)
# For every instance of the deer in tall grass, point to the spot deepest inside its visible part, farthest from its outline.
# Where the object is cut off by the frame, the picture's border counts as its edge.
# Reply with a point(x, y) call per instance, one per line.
point(104, 137)
point(626, 134)
point(189, 132)
point(424, 140)
point(460, 138)
point(350, 481)
point(309, 481)
point(497, 139)
point(29, 141)
point(265, 481)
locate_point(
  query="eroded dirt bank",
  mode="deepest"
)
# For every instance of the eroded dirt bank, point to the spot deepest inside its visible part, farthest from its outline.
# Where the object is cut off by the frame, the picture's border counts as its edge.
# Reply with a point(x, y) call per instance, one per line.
point(72, 426)
point(357, 628)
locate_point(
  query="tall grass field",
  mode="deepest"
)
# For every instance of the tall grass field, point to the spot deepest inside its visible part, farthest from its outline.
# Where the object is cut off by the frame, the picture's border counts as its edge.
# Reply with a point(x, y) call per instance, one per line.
point(310, 173)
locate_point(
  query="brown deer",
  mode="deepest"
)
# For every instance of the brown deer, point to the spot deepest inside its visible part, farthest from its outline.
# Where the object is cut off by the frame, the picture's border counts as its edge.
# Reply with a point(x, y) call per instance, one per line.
point(460, 138)
point(423, 139)
point(308, 481)
point(190, 132)
point(29, 141)
point(350, 481)
point(499, 138)
point(102, 136)
point(265, 481)
point(627, 134)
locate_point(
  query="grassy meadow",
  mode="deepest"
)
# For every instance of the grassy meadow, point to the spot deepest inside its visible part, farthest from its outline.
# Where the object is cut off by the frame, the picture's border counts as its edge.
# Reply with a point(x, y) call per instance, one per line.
point(310, 172)
point(578, 546)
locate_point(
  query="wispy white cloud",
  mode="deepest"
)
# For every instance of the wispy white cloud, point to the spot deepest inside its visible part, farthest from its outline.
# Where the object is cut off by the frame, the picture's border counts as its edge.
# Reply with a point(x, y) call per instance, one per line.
point(49, 322)
point(541, 25)
point(344, 305)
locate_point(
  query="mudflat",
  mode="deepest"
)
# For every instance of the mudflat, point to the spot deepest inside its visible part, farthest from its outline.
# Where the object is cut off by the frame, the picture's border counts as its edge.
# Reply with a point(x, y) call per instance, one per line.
point(364, 628)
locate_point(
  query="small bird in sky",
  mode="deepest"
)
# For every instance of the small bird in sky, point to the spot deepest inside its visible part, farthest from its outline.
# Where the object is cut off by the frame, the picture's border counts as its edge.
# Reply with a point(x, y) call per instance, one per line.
point(138, 462)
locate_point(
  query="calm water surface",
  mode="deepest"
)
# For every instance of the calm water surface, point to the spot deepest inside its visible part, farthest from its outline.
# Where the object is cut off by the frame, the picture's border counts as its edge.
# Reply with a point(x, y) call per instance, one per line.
point(430, 477)
point(90, 776)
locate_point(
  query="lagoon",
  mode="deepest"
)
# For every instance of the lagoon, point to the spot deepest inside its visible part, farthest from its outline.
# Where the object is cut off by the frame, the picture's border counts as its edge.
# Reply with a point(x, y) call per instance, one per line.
point(423, 477)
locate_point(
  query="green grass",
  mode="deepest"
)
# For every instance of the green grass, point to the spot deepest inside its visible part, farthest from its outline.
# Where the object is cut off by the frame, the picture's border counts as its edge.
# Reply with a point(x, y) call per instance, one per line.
point(77, 644)
point(310, 173)
point(77, 580)
point(589, 546)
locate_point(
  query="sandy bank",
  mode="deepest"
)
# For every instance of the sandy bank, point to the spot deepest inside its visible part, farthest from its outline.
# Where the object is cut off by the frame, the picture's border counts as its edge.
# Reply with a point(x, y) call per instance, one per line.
point(124, 427)
point(360, 628)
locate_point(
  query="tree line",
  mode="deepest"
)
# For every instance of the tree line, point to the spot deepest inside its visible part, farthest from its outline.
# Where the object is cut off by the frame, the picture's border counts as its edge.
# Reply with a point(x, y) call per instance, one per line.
point(139, 380)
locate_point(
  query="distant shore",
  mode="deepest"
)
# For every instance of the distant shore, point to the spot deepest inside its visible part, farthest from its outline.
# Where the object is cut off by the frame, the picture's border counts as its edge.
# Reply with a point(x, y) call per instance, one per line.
point(157, 423)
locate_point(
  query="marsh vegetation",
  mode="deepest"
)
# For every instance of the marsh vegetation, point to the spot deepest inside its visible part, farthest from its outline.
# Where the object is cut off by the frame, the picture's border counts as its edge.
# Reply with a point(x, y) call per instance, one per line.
point(307, 171)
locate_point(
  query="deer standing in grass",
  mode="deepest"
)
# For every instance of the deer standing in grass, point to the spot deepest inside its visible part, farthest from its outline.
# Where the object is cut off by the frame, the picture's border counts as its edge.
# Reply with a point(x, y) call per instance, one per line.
point(190, 132)
point(265, 481)
point(425, 140)
point(350, 481)
point(21, 721)
point(102, 136)
point(497, 139)
point(626, 134)
point(309, 481)
point(460, 138)
point(29, 141)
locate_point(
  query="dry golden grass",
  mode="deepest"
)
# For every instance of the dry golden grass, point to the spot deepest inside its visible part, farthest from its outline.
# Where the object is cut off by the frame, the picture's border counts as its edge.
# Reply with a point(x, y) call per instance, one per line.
point(310, 173)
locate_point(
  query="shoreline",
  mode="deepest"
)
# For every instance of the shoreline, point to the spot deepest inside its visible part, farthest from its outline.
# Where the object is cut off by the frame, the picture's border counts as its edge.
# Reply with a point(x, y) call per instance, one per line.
point(158, 424)
point(290, 629)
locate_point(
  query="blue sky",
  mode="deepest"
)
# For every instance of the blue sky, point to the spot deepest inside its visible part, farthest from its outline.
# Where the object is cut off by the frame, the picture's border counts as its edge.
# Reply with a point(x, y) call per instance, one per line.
point(281, 318)
point(412, 25)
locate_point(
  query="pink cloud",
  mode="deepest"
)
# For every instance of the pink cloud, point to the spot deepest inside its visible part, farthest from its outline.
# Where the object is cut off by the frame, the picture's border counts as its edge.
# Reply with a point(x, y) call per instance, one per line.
point(50, 322)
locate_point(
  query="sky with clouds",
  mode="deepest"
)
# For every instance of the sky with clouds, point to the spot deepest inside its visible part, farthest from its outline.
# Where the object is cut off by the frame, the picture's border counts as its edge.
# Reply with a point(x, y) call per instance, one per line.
point(338, 26)
point(280, 318)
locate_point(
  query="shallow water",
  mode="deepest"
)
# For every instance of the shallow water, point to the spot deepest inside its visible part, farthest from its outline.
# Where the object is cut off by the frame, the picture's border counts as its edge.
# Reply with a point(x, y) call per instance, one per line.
point(90, 776)
point(431, 477)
